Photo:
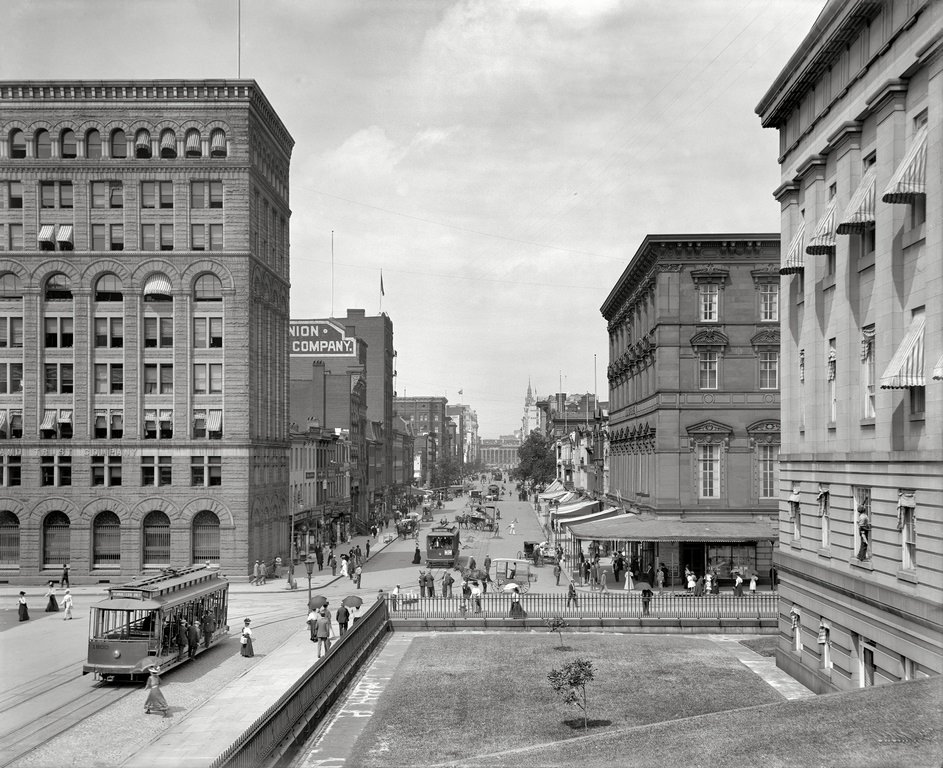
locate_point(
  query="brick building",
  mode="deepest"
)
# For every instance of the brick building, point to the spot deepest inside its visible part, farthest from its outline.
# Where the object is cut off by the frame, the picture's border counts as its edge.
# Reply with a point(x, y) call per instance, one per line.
point(144, 307)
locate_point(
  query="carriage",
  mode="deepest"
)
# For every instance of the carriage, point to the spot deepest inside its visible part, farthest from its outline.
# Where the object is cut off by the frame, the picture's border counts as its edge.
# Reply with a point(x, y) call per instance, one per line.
point(513, 574)
point(538, 552)
point(407, 527)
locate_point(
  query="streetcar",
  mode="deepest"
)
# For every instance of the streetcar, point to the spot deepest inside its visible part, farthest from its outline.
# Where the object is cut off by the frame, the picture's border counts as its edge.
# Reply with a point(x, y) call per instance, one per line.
point(442, 544)
point(139, 625)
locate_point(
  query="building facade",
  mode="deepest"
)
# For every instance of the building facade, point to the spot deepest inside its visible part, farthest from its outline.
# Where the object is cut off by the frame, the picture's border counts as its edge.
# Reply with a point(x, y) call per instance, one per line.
point(530, 421)
point(501, 453)
point(859, 110)
point(694, 400)
point(144, 305)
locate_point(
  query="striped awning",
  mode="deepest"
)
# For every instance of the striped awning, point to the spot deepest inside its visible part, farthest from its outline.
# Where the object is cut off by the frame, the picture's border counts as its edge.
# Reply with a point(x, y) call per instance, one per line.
point(49, 419)
point(218, 141)
point(65, 417)
point(910, 178)
point(592, 516)
point(906, 367)
point(632, 528)
point(64, 235)
point(3, 420)
point(938, 370)
point(193, 142)
point(553, 496)
point(158, 285)
point(214, 422)
point(574, 510)
point(101, 419)
point(793, 261)
point(150, 414)
point(168, 141)
point(47, 233)
point(859, 215)
point(143, 138)
point(822, 241)
point(167, 415)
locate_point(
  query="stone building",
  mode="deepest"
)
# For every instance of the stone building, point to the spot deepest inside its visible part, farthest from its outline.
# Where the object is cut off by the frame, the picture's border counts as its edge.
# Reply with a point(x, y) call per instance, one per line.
point(144, 312)
point(859, 111)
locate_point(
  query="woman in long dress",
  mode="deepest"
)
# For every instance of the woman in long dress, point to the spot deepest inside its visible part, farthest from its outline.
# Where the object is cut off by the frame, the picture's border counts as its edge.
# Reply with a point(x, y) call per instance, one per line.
point(417, 556)
point(246, 639)
point(155, 701)
point(22, 608)
point(344, 567)
point(51, 605)
point(629, 581)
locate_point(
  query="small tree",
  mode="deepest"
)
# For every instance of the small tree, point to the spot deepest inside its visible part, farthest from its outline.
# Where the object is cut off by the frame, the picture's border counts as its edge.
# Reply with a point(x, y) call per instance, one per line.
point(556, 624)
point(570, 683)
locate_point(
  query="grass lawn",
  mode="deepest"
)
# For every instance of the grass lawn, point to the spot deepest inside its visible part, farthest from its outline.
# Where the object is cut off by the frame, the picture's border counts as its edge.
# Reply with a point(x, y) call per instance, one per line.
point(457, 696)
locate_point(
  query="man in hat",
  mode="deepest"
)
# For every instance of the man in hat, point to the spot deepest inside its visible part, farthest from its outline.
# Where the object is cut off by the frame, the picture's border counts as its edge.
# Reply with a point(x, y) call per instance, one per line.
point(343, 619)
point(324, 631)
point(67, 604)
point(193, 638)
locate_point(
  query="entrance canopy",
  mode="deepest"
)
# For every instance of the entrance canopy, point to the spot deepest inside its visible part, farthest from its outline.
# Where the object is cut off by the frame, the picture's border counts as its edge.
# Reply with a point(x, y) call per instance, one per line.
point(626, 529)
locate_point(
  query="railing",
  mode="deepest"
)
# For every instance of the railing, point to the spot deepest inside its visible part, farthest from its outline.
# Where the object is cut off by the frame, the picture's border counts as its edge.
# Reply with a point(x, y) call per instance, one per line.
point(310, 697)
point(597, 605)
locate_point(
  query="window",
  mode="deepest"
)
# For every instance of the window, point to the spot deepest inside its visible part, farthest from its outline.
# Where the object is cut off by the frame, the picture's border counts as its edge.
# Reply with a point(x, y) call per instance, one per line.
point(769, 302)
point(119, 144)
point(58, 288)
point(55, 470)
point(9, 538)
point(168, 144)
point(109, 424)
point(205, 537)
point(43, 145)
point(206, 194)
point(218, 143)
point(109, 378)
point(10, 477)
point(707, 370)
point(106, 540)
point(156, 540)
point(109, 332)
point(56, 540)
point(67, 144)
point(824, 515)
point(207, 378)
point(708, 459)
point(11, 424)
point(15, 237)
point(206, 237)
point(825, 644)
point(862, 526)
point(831, 374)
point(708, 301)
point(11, 379)
point(106, 471)
point(769, 471)
point(58, 332)
point(906, 525)
point(117, 237)
point(56, 425)
point(166, 237)
point(98, 237)
point(108, 288)
point(158, 379)
point(158, 332)
point(58, 378)
point(148, 237)
point(208, 332)
point(868, 372)
point(166, 194)
point(11, 332)
point(156, 470)
point(206, 471)
point(15, 197)
point(107, 194)
point(207, 288)
point(65, 194)
point(47, 194)
point(769, 370)
point(207, 424)
point(197, 237)
point(142, 144)
point(17, 145)
point(918, 401)
point(148, 194)
point(194, 147)
point(93, 145)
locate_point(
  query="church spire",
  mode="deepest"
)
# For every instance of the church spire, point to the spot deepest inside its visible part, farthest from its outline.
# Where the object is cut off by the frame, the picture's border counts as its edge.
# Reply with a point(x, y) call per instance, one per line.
point(529, 400)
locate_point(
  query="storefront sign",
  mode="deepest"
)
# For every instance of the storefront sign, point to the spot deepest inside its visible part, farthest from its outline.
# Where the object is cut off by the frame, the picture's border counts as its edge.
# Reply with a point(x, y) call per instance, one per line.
point(319, 338)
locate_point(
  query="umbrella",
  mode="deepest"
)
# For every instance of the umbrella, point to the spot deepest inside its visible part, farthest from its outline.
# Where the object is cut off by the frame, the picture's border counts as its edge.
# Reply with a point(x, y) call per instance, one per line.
point(511, 587)
point(316, 602)
point(352, 601)
point(643, 585)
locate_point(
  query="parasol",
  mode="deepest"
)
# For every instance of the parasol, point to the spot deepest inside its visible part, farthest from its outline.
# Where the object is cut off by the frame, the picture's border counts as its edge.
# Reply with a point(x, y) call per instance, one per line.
point(316, 602)
point(512, 587)
point(643, 585)
point(352, 601)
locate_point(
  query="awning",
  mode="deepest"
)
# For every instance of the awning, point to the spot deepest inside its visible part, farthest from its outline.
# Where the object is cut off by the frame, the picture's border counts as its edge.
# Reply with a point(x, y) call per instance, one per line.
point(214, 422)
point(822, 241)
point(3, 420)
point(859, 214)
point(218, 141)
point(555, 486)
point(168, 141)
point(65, 417)
point(574, 510)
point(47, 233)
point(906, 367)
point(568, 498)
point(49, 419)
point(793, 261)
point(142, 139)
point(101, 419)
point(193, 142)
point(604, 514)
point(938, 370)
point(64, 235)
point(630, 528)
point(910, 178)
point(167, 415)
point(158, 285)
point(150, 415)
point(546, 496)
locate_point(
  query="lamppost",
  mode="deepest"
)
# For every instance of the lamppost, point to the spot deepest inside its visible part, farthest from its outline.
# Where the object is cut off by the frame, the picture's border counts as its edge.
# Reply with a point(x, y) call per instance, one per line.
point(309, 567)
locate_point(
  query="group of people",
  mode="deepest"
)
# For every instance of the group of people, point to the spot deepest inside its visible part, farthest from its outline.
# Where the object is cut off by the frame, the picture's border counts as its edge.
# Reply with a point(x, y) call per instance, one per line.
point(52, 604)
point(709, 583)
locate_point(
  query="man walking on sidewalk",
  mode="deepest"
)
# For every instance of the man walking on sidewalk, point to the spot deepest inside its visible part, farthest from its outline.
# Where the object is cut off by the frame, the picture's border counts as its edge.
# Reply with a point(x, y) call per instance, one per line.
point(556, 572)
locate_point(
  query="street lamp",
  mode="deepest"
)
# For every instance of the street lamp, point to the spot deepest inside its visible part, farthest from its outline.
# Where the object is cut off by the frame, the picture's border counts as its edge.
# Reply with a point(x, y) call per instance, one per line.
point(309, 567)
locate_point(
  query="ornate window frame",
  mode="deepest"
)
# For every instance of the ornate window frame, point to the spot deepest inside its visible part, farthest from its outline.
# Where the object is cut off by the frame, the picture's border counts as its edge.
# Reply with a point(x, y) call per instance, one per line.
point(709, 432)
point(766, 432)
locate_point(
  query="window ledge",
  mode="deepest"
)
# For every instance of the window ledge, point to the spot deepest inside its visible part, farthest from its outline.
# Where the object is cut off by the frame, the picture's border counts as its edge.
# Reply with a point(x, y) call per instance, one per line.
point(828, 282)
point(909, 575)
point(868, 422)
point(795, 544)
point(866, 262)
point(831, 426)
point(918, 417)
point(916, 235)
point(825, 552)
point(865, 565)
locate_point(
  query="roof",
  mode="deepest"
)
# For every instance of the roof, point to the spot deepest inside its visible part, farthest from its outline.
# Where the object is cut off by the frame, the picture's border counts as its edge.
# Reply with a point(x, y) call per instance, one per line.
point(632, 528)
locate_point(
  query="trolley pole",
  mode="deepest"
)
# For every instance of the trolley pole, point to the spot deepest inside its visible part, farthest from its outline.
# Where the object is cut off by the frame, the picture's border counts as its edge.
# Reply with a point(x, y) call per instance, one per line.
point(309, 567)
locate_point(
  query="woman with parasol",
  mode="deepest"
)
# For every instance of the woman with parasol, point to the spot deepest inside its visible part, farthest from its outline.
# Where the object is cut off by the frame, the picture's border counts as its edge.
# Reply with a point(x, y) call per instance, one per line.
point(155, 697)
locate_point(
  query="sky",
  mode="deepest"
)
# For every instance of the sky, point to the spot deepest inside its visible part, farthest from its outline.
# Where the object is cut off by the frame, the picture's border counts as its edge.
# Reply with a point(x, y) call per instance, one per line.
point(500, 161)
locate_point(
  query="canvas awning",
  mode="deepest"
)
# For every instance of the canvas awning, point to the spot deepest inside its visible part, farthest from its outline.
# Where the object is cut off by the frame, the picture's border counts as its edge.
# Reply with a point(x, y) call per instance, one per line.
point(64, 235)
point(794, 256)
point(193, 142)
point(143, 138)
point(604, 514)
point(49, 419)
point(822, 241)
point(938, 370)
point(65, 417)
point(47, 233)
point(910, 178)
point(859, 214)
point(168, 141)
point(158, 285)
point(214, 422)
point(3, 420)
point(625, 528)
point(574, 510)
point(553, 496)
point(906, 367)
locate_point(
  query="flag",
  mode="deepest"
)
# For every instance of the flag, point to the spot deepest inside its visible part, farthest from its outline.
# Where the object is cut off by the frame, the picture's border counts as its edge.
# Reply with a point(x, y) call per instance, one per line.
point(382, 292)
point(461, 392)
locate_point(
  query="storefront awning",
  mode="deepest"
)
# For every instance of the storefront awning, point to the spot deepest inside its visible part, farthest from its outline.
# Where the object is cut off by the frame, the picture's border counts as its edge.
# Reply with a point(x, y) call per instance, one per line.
point(623, 528)
point(906, 367)
point(553, 496)
point(859, 214)
point(822, 241)
point(794, 256)
point(938, 370)
point(910, 178)
point(574, 510)
point(604, 514)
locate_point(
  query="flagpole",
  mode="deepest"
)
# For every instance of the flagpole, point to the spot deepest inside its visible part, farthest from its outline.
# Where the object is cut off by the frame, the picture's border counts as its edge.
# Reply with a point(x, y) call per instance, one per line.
point(332, 273)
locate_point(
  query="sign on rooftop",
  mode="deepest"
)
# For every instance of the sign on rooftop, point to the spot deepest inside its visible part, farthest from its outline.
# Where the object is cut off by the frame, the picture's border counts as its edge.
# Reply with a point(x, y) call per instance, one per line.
point(319, 338)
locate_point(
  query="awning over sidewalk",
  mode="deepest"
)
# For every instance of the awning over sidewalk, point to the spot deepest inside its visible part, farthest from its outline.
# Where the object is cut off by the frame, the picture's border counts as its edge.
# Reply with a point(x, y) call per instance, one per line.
point(604, 514)
point(555, 486)
point(633, 529)
point(574, 510)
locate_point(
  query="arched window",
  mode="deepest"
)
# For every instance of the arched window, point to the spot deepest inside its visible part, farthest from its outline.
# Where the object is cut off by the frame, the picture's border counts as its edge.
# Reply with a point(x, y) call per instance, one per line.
point(156, 540)
point(58, 288)
point(142, 144)
point(67, 144)
point(205, 537)
point(43, 145)
point(119, 144)
point(193, 146)
point(56, 540)
point(106, 540)
point(108, 288)
point(9, 538)
point(157, 287)
point(218, 143)
point(207, 288)
point(17, 144)
point(168, 144)
point(10, 287)
point(93, 145)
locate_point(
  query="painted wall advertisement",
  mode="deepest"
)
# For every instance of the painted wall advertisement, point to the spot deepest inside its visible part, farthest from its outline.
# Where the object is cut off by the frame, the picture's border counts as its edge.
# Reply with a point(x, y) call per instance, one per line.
point(319, 338)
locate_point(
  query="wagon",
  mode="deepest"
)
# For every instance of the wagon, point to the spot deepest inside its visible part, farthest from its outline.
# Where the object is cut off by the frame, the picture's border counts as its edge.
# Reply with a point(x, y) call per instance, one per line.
point(511, 574)
point(539, 552)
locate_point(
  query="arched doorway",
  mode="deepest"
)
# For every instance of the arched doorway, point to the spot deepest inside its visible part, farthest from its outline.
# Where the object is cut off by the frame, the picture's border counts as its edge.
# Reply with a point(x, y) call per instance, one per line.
point(205, 537)
point(56, 540)
point(106, 541)
point(156, 540)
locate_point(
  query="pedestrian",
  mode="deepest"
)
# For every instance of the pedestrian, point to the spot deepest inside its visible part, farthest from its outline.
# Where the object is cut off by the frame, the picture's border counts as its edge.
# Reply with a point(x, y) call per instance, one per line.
point(476, 596)
point(394, 596)
point(472, 563)
point(245, 640)
point(594, 575)
point(715, 585)
point(753, 584)
point(602, 581)
point(358, 574)
point(312, 622)
point(332, 561)
point(51, 605)
point(359, 552)
point(616, 569)
point(208, 625)
point(511, 526)
point(325, 631)
point(181, 638)
point(699, 587)
point(556, 572)
point(664, 573)
point(417, 556)
point(650, 574)
point(738, 585)
point(193, 638)
point(345, 565)
point(430, 584)
point(155, 700)
point(319, 556)
point(255, 574)
point(772, 577)
point(487, 565)
point(67, 605)
point(447, 581)
point(263, 571)
point(64, 581)
point(660, 579)
point(708, 582)
point(367, 546)
point(22, 607)
point(646, 598)
point(691, 579)
point(517, 610)
point(343, 619)
point(571, 596)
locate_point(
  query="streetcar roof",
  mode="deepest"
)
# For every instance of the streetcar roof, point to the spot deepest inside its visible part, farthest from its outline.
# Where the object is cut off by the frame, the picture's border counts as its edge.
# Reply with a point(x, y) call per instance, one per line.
point(163, 601)
point(127, 604)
